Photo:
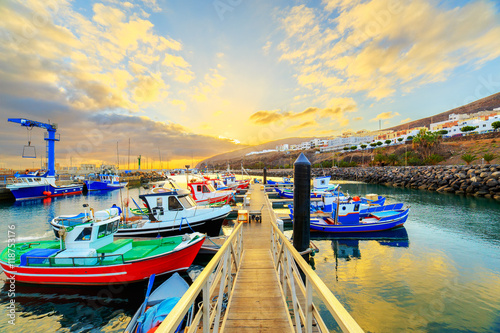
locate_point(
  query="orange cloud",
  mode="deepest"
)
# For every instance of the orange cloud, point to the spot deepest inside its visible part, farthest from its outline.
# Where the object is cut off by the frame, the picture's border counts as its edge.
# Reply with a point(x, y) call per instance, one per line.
point(302, 126)
point(386, 42)
point(385, 115)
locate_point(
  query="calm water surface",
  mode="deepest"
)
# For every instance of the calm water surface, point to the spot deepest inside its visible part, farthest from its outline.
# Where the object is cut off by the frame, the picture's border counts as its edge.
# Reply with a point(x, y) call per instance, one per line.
point(67, 309)
point(441, 273)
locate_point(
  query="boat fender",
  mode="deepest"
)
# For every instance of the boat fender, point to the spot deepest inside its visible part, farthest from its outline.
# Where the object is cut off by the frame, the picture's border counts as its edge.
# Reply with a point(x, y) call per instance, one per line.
point(62, 233)
point(47, 193)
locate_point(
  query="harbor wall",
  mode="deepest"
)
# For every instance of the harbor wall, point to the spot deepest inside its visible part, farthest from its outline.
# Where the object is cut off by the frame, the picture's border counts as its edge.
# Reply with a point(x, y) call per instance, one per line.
point(474, 180)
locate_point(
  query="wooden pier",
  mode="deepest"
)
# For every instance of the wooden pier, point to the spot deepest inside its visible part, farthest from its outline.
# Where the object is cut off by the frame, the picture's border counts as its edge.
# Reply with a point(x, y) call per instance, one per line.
point(257, 303)
point(257, 282)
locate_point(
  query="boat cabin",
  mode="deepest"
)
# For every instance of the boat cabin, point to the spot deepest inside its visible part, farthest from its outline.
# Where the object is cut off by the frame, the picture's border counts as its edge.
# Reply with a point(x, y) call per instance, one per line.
point(30, 180)
point(162, 201)
point(200, 190)
point(83, 242)
point(321, 183)
point(109, 179)
point(96, 233)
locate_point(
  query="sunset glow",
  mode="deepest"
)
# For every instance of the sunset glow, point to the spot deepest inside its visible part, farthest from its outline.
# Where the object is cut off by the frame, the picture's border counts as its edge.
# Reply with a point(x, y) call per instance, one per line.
point(186, 80)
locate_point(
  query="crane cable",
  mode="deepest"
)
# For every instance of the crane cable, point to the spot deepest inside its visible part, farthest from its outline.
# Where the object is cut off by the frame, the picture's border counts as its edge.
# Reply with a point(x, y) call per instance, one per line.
point(29, 129)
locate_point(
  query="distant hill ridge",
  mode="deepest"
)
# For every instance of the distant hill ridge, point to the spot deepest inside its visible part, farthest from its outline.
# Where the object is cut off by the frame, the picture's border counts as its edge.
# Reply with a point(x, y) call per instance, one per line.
point(248, 149)
point(488, 103)
point(483, 104)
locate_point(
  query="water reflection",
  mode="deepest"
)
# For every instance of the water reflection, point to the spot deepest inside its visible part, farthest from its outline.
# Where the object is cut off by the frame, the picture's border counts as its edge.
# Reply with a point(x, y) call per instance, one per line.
point(75, 309)
point(470, 216)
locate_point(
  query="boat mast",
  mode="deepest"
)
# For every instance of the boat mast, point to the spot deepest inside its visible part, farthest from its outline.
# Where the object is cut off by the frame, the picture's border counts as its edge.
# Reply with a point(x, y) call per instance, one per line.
point(117, 157)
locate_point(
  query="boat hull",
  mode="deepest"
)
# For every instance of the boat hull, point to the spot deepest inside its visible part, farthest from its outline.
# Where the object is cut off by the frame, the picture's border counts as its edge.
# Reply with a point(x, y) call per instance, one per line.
point(393, 222)
point(45, 191)
point(211, 227)
point(129, 272)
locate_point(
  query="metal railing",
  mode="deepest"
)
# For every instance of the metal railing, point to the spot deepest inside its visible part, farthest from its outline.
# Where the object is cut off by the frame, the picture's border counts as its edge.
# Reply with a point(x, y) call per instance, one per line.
point(287, 261)
point(219, 273)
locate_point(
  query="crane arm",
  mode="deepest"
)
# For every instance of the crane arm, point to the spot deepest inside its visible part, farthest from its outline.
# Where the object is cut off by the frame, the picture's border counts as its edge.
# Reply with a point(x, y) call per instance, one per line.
point(33, 123)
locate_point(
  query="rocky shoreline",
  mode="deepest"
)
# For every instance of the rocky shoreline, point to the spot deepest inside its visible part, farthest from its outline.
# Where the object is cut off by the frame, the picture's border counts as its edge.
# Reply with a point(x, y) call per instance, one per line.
point(474, 180)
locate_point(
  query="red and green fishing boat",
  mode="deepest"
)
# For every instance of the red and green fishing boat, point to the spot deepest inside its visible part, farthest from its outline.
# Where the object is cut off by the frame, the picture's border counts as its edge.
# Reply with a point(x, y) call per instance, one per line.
point(87, 254)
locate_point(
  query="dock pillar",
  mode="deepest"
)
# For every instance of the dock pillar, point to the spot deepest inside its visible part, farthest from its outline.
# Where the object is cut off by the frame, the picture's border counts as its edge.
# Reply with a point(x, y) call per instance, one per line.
point(265, 176)
point(301, 203)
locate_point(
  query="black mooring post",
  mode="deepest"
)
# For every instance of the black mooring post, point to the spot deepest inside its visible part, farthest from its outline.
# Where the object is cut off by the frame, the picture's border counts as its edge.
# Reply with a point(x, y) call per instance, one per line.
point(265, 175)
point(301, 203)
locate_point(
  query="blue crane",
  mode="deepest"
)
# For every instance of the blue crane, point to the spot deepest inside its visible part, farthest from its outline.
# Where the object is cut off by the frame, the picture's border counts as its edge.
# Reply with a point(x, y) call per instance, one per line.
point(50, 138)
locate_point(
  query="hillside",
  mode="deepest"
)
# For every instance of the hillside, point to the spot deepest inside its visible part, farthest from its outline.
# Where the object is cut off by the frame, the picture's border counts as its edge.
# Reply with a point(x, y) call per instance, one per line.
point(238, 154)
point(488, 103)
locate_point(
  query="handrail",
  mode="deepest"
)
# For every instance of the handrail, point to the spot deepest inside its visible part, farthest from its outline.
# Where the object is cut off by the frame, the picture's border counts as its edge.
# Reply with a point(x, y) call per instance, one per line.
point(220, 268)
point(283, 253)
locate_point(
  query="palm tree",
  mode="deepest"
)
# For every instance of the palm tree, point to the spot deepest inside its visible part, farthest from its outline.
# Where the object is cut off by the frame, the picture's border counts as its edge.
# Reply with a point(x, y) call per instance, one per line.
point(426, 141)
point(468, 158)
point(488, 157)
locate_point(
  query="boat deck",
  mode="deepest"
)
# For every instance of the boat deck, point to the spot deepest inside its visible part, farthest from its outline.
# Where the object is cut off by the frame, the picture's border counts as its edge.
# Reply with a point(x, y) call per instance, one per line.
point(257, 303)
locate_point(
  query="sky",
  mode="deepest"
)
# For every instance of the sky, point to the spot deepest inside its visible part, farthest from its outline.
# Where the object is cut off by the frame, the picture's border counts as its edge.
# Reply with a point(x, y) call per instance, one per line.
point(186, 80)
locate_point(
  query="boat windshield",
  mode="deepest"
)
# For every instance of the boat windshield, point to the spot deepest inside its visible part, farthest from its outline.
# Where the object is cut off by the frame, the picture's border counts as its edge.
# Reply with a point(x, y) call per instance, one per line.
point(211, 188)
point(187, 201)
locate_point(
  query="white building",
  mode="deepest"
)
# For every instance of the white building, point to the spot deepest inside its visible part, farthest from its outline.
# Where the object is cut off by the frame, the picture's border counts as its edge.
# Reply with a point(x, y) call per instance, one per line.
point(339, 143)
point(305, 145)
point(283, 147)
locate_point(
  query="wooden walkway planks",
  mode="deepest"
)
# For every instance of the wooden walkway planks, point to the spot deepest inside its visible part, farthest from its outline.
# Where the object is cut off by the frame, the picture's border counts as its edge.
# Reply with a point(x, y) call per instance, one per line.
point(257, 303)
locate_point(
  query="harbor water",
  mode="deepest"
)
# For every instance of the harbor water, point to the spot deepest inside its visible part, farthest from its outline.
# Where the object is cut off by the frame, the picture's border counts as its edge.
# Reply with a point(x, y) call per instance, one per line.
point(440, 273)
point(68, 309)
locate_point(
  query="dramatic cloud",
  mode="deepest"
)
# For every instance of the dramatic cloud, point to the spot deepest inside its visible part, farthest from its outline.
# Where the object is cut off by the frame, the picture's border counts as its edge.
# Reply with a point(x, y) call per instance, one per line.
point(377, 46)
point(103, 131)
point(112, 59)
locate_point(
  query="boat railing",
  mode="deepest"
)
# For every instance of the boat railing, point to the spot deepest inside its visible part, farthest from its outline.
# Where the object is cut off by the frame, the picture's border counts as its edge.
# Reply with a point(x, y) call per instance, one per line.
point(218, 274)
point(298, 281)
point(98, 260)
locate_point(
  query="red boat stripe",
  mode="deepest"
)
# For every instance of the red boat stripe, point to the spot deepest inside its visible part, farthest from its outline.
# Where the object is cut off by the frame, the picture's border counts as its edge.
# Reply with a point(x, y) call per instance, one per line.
point(65, 275)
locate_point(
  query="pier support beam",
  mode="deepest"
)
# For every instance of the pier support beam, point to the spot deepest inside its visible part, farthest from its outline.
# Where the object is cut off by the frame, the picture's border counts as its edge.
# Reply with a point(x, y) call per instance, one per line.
point(301, 203)
point(265, 175)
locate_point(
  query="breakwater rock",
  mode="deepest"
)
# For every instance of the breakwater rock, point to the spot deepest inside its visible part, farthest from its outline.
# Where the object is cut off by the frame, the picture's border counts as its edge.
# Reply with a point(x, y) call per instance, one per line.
point(476, 180)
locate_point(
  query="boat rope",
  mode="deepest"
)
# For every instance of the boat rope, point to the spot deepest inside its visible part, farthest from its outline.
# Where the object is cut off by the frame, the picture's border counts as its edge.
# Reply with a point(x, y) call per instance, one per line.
point(180, 225)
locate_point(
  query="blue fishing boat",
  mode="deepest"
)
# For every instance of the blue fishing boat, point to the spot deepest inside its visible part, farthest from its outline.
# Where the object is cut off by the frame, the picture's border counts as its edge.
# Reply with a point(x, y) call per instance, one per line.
point(286, 181)
point(158, 305)
point(352, 221)
point(329, 200)
point(104, 182)
point(37, 185)
point(346, 208)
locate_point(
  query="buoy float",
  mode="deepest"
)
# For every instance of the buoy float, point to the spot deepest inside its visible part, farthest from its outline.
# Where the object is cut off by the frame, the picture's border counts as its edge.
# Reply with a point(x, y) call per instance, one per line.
point(355, 199)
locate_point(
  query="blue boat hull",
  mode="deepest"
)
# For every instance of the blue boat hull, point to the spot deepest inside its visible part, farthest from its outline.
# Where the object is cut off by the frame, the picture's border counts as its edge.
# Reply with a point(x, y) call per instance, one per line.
point(45, 191)
point(384, 224)
point(95, 185)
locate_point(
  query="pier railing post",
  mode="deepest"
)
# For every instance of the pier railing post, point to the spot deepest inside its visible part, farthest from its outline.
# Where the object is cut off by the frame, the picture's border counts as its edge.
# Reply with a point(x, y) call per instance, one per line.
point(265, 176)
point(206, 308)
point(301, 203)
